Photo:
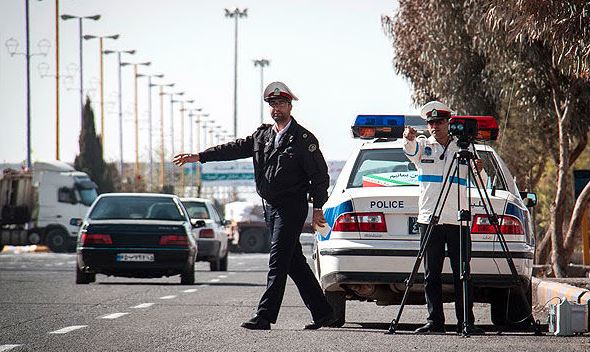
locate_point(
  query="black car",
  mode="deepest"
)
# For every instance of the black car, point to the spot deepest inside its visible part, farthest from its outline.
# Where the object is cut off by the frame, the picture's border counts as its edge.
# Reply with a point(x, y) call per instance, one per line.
point(136, 235)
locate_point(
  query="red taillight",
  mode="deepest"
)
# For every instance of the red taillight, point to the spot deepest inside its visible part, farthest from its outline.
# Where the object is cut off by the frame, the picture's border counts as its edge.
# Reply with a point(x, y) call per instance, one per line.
point(95, 238)
point(509, 225)
point(206, 233)
point(174, 240)
point(357, 222)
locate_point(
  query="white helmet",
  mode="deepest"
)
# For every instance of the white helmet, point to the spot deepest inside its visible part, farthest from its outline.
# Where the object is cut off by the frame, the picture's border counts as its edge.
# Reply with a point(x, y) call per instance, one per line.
point(278, 89)
point(435, 110)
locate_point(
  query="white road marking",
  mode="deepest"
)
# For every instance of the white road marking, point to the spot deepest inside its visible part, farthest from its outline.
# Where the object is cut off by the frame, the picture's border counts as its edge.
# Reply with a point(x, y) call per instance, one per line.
point(143, 305)
point(114, 316)
point(190, 290)
point(71, 262)
point(167, 297)
point(59, 264)
point(214, 280)
point(222, 276)
point(68, 329)
point(241, 263)
point(7, 347)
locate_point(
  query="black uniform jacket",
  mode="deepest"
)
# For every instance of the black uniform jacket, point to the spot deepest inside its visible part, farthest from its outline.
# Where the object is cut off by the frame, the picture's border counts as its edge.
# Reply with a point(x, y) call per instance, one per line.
point(296, 167)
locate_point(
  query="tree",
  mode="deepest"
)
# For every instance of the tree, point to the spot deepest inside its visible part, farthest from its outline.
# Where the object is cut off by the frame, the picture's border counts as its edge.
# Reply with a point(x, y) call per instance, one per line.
point(484, 57)
point(90, 159)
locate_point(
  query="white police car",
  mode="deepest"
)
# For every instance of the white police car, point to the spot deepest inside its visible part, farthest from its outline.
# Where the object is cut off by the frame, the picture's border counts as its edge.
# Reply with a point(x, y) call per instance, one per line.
point(373, 243)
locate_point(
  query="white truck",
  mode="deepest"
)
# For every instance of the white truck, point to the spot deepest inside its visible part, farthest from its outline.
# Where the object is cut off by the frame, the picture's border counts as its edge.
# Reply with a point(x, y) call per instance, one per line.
point(36, 206)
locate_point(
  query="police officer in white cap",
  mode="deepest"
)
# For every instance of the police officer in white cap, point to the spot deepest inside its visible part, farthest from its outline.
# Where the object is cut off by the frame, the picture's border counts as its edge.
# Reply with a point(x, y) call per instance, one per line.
point(433, 157)
point(288, 165)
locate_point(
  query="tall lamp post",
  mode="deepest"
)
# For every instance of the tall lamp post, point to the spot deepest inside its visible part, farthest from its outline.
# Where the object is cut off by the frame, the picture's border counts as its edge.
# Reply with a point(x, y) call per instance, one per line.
point(120, 98)
point(136, 113)
point(261, 63)
point(80, 34)
point(12, 46)
point(151, 157)
point(162, 176)
point(236, 13)
point(100, 41)
point(182, 111)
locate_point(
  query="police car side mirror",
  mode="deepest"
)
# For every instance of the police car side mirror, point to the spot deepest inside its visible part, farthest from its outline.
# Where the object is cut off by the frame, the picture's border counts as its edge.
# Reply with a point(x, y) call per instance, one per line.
point(529, 199)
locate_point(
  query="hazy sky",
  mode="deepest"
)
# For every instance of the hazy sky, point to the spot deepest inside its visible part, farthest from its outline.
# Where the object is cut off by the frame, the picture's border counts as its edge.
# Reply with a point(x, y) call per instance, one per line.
point(333, 55)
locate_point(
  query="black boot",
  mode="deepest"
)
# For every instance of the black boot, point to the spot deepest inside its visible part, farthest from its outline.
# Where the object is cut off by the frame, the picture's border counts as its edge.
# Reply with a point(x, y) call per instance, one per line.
point(256, 323)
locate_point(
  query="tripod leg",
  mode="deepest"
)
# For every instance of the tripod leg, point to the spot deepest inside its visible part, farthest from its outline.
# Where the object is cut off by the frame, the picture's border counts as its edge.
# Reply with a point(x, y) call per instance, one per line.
point(493, 217)
point(433, 221)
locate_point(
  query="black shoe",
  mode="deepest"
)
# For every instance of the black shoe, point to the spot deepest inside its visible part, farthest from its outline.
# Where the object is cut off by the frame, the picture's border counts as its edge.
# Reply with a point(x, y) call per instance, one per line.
point(325, 321)
point(430, 328)
point(471, 330)
point(256, 323)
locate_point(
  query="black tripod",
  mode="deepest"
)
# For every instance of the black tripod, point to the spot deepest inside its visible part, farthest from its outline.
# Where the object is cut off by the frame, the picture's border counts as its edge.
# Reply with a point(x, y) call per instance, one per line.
point(463, 157)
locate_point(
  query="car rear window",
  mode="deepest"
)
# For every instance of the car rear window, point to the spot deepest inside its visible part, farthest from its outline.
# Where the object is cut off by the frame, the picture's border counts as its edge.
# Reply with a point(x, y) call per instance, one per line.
point(197, 210)
point(391, 168)
point(147, 208)
point(383, 167)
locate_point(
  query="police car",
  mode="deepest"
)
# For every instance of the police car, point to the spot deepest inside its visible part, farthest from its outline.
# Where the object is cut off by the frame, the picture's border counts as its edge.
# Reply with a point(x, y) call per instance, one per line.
point(373, 242)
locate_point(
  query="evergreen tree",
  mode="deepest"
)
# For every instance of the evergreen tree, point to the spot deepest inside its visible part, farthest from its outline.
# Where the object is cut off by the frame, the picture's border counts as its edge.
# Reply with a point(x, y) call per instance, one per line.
point(90, 159)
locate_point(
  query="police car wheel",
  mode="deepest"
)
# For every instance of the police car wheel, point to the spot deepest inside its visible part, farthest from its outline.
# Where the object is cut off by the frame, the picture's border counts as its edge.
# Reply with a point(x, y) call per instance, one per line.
point(337, 301)
point(508, 310)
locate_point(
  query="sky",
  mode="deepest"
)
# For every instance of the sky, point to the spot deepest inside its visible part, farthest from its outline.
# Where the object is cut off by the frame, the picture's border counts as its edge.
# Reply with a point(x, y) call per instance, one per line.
point(333, 55)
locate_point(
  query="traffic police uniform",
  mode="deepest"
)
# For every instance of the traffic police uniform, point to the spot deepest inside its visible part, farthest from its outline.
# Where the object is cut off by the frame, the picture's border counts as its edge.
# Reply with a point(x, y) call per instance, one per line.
point(433, 162)
point(285, 173)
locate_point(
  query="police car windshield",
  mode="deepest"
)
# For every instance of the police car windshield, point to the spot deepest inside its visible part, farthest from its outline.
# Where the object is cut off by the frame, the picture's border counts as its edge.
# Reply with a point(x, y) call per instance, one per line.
point(383, 168)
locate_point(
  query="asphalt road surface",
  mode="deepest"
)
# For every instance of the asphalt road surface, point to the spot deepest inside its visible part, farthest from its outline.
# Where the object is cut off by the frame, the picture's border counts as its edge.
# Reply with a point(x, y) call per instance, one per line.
point(42, 309)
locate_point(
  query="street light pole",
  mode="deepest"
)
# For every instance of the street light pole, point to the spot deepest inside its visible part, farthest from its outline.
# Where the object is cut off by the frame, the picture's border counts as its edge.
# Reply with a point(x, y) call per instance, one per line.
point(80, 35)
point(162, 130)
point(262, 63)
point(182, 110)
point(120, 98)
point(151, 156)
point(56, 79)
point(235, 14)
point(11, 46)
point(136, 115)
point(100, 38)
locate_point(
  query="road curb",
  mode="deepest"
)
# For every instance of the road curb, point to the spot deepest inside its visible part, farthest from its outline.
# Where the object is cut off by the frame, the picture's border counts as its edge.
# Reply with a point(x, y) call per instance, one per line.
point(545, 291)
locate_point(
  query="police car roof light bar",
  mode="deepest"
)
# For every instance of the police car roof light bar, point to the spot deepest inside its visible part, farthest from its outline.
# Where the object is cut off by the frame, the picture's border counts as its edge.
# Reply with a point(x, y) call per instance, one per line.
point(378, 126)
point(487, 126)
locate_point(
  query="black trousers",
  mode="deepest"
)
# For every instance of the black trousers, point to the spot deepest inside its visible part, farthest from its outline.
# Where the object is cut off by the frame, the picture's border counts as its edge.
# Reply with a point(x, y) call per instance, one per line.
point(434, 257)
point(285, 223)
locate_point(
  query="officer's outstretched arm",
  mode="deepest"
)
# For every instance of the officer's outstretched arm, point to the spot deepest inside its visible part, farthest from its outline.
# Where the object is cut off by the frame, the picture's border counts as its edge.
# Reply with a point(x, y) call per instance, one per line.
point(238, 149)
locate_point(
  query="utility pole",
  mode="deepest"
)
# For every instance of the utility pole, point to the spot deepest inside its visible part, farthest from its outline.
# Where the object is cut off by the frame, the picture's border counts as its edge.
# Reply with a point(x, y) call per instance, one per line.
point(236, 13)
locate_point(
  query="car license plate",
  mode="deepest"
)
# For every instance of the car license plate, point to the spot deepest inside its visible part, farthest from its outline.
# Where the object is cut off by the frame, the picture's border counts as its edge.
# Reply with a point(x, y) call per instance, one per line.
point(135, 257)
point(413, 225)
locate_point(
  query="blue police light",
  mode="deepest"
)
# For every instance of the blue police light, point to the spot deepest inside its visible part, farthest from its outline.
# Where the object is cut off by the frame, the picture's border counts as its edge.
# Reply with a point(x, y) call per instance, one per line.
point(378, 126)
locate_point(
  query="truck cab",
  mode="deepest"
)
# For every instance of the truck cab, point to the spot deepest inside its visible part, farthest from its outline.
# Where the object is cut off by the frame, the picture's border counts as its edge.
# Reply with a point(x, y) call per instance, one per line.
point(52, 194)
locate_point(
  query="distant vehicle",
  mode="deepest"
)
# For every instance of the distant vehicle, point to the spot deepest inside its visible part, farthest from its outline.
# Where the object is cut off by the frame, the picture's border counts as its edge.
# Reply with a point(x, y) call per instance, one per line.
point(139, 235)
point(211, 239)
point(248, 232)
point(36, 205)
point(373, 240)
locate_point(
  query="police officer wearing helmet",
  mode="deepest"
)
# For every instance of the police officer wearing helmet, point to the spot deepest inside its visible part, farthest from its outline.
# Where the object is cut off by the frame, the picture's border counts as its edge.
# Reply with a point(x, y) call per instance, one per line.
point(433, 156)
point(288, 165)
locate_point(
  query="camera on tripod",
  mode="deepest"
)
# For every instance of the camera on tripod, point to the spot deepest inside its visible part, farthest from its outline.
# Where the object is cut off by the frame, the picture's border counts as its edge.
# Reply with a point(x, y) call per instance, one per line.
point(468, 129)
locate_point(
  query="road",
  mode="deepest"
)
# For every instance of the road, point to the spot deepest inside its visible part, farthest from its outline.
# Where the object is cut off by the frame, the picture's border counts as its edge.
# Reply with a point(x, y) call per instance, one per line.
point(42, 309)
